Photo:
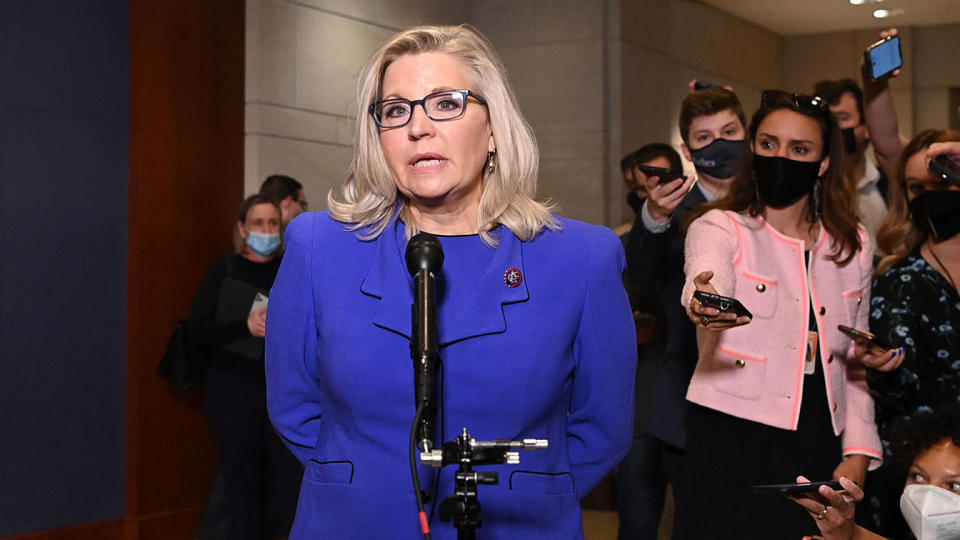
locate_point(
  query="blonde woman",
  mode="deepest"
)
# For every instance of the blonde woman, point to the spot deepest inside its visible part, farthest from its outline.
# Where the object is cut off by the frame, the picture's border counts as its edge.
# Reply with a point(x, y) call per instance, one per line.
point(535, 333)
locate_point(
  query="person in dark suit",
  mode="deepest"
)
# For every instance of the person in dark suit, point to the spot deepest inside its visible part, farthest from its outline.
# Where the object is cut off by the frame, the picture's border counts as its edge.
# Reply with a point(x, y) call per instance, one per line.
point(712, 127)
point(535, 332)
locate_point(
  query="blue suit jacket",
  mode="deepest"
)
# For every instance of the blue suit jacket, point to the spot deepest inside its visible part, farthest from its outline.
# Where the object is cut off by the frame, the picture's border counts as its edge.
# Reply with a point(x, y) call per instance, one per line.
point(552, 358)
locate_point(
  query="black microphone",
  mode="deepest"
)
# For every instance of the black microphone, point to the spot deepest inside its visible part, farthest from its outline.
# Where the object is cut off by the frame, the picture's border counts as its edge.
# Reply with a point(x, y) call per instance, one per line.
point(424, 258)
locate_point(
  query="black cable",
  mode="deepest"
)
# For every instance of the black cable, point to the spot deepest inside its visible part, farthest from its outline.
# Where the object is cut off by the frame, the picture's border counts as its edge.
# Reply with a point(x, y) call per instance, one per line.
point(415, 473)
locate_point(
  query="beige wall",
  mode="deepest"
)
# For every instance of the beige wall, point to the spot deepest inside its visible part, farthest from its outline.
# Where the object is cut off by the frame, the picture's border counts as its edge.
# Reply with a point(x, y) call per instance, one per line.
point(936, 70)
point(303, 59)
point(815, 57)
point(662, 45)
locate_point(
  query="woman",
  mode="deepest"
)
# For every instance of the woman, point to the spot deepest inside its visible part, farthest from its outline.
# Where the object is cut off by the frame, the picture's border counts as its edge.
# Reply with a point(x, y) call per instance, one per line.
point(915, 305)
point(782, 388)
point(535, 332)
point(929, 444)
point(260, 476)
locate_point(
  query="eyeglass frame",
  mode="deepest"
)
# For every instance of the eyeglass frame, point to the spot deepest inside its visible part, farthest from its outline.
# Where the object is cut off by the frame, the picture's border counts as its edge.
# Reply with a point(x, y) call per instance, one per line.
point(465, 94)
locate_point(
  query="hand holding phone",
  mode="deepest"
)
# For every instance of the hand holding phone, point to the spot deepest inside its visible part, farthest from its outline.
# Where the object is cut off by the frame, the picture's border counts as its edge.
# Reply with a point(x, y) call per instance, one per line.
point(944, 170)
point(722, 303)
point(872, 352)
point(664, 175)
point(796, 488)
point(883, 58)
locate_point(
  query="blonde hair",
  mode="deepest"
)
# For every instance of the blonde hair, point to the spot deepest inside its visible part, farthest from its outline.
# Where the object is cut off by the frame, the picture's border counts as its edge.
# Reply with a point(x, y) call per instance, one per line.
point(368, 199)
point(899, 235)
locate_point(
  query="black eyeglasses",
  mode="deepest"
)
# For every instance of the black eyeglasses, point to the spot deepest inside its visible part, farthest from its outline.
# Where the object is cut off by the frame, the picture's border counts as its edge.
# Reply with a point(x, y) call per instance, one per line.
point(812, 104)
point(439, 106)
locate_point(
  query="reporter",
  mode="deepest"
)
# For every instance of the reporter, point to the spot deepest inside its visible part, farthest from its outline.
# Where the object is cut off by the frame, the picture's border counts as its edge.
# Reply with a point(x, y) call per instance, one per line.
point(783, 387)
point(915, 303)
point(930, 444)
point(260, 476)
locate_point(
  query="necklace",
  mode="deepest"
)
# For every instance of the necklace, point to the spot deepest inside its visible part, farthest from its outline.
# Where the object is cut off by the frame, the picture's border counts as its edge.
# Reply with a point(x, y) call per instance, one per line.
point(949, 277)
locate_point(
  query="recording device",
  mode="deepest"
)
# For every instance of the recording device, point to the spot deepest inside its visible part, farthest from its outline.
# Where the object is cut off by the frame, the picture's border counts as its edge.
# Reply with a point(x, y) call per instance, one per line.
point(702, 85)
point(795, 489)
point(855, 335)
point(424, 258)
point(945, 170)
point(665, 175)
point(883, 58)
point(723, 303)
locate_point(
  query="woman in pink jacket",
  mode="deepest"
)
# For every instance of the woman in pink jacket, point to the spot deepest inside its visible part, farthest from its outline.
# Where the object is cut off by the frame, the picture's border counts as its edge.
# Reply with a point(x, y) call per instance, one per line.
point(780, 389)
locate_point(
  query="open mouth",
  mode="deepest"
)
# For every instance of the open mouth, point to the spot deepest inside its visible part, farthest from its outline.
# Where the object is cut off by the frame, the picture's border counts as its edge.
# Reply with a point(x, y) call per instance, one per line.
point(427, 161)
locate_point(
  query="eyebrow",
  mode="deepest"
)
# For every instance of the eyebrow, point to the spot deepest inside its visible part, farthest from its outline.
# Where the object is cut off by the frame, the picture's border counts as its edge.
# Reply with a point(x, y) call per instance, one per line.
point(792, 141)
point(433, 91)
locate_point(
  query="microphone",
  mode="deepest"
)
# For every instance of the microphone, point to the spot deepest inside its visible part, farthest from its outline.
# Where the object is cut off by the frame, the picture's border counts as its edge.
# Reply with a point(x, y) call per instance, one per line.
point(424, 258)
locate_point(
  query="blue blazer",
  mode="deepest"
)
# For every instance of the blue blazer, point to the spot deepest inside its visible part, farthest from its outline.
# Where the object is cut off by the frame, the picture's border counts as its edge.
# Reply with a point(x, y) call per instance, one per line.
point(552, 358)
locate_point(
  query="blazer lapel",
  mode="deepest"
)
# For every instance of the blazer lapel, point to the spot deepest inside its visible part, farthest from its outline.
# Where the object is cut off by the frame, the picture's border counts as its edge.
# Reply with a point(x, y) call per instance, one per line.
point(389, 281)
point(482, 312)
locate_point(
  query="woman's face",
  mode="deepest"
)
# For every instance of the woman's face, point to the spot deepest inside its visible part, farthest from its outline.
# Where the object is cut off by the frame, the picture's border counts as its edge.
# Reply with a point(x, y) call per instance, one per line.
point(792, 135)
point(919, 178)
point(938, 466)
point(436, 165)
point(264, 218)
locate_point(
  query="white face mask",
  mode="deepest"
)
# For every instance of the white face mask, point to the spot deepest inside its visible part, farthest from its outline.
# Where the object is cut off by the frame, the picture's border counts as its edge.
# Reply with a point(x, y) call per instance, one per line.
point(933, 513)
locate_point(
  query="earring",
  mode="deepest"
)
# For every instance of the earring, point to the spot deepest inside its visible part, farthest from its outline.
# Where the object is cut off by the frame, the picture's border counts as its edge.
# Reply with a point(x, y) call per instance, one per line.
point(817, 199)
point(491, 162)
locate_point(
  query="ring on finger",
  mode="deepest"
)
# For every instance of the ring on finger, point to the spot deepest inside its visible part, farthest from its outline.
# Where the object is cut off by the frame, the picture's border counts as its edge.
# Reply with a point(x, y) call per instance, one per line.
point(704, 320)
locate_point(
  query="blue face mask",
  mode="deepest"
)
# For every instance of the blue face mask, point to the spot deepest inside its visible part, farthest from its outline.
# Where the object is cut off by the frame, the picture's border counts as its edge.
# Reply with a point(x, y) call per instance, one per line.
point(263, 244)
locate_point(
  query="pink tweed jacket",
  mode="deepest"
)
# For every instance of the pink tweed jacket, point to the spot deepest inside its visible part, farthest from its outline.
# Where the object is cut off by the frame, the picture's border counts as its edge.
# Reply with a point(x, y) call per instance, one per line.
point(755, 371)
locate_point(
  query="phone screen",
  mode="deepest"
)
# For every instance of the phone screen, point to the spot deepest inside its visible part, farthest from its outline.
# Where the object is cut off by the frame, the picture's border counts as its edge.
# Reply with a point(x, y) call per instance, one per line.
point(885, 57)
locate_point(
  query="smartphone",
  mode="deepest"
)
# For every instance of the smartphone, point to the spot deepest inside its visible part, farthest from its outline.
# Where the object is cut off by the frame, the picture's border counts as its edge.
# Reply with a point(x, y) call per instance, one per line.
point(702, 85)
point(883, 57)
point(723, 303)
point(259, 302)
point(945, 170)
point(855, 334)
point(793, 489)
point(665, 175)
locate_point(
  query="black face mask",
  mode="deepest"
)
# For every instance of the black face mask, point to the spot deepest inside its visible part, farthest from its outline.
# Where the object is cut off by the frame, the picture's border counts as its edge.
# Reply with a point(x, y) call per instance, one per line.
point(849, 140)
point(937, 212)
point(719, 159)
point(781, 181)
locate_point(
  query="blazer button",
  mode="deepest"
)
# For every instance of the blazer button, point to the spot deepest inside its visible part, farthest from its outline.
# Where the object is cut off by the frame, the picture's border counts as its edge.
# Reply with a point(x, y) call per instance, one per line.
point(859, 299)
point(761, 287)
point(823, 310)
point(740, 363)
point(834, 407)
point(830, 359)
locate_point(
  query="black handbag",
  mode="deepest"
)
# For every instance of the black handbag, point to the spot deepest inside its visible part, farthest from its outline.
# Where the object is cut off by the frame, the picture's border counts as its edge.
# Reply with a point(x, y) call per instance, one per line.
point(184, 364)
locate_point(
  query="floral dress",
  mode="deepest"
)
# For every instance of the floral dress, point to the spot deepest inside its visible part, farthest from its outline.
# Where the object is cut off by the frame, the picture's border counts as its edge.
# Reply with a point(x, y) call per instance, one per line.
point(915, 307)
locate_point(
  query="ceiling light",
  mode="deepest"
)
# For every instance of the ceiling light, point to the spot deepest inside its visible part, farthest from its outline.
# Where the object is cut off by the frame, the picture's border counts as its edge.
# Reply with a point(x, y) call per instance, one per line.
point(887, 13)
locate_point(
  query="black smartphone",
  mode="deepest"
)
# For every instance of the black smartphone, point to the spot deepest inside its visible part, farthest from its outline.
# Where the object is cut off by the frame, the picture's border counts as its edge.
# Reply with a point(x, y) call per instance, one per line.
point(855, 334)
point(883, 57)
point(794, 489)
point(723, 303)
point(702, 85)
point(665, 175)
point(945, 170)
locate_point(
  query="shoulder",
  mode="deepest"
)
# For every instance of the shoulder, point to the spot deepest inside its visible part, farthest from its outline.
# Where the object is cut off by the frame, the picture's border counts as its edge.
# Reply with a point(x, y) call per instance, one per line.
point(720, 219)
point(901, 273)
point(574, 234)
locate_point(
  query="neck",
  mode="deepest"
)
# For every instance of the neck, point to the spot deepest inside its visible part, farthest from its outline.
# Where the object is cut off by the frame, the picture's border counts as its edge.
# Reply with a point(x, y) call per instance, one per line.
point(794, 221)
point(948, 250)
point(854, 167)
point(458, 220)
point(718, 188)
point(252, 255)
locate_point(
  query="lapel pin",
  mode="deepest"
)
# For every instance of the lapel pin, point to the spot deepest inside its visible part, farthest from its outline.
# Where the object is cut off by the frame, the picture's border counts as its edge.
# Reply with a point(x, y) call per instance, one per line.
point(512, 277)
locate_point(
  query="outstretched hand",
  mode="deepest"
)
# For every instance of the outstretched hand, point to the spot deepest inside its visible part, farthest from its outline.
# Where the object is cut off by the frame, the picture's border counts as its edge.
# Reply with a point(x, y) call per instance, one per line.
point(709, 317)
point(832, 510)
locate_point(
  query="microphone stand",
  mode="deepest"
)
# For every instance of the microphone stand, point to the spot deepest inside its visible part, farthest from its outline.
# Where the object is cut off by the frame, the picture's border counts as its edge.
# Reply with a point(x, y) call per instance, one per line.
point(424, 257)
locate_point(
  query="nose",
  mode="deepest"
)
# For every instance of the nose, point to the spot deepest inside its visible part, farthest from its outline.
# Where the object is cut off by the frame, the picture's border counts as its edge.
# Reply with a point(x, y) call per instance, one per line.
point(420, 124)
